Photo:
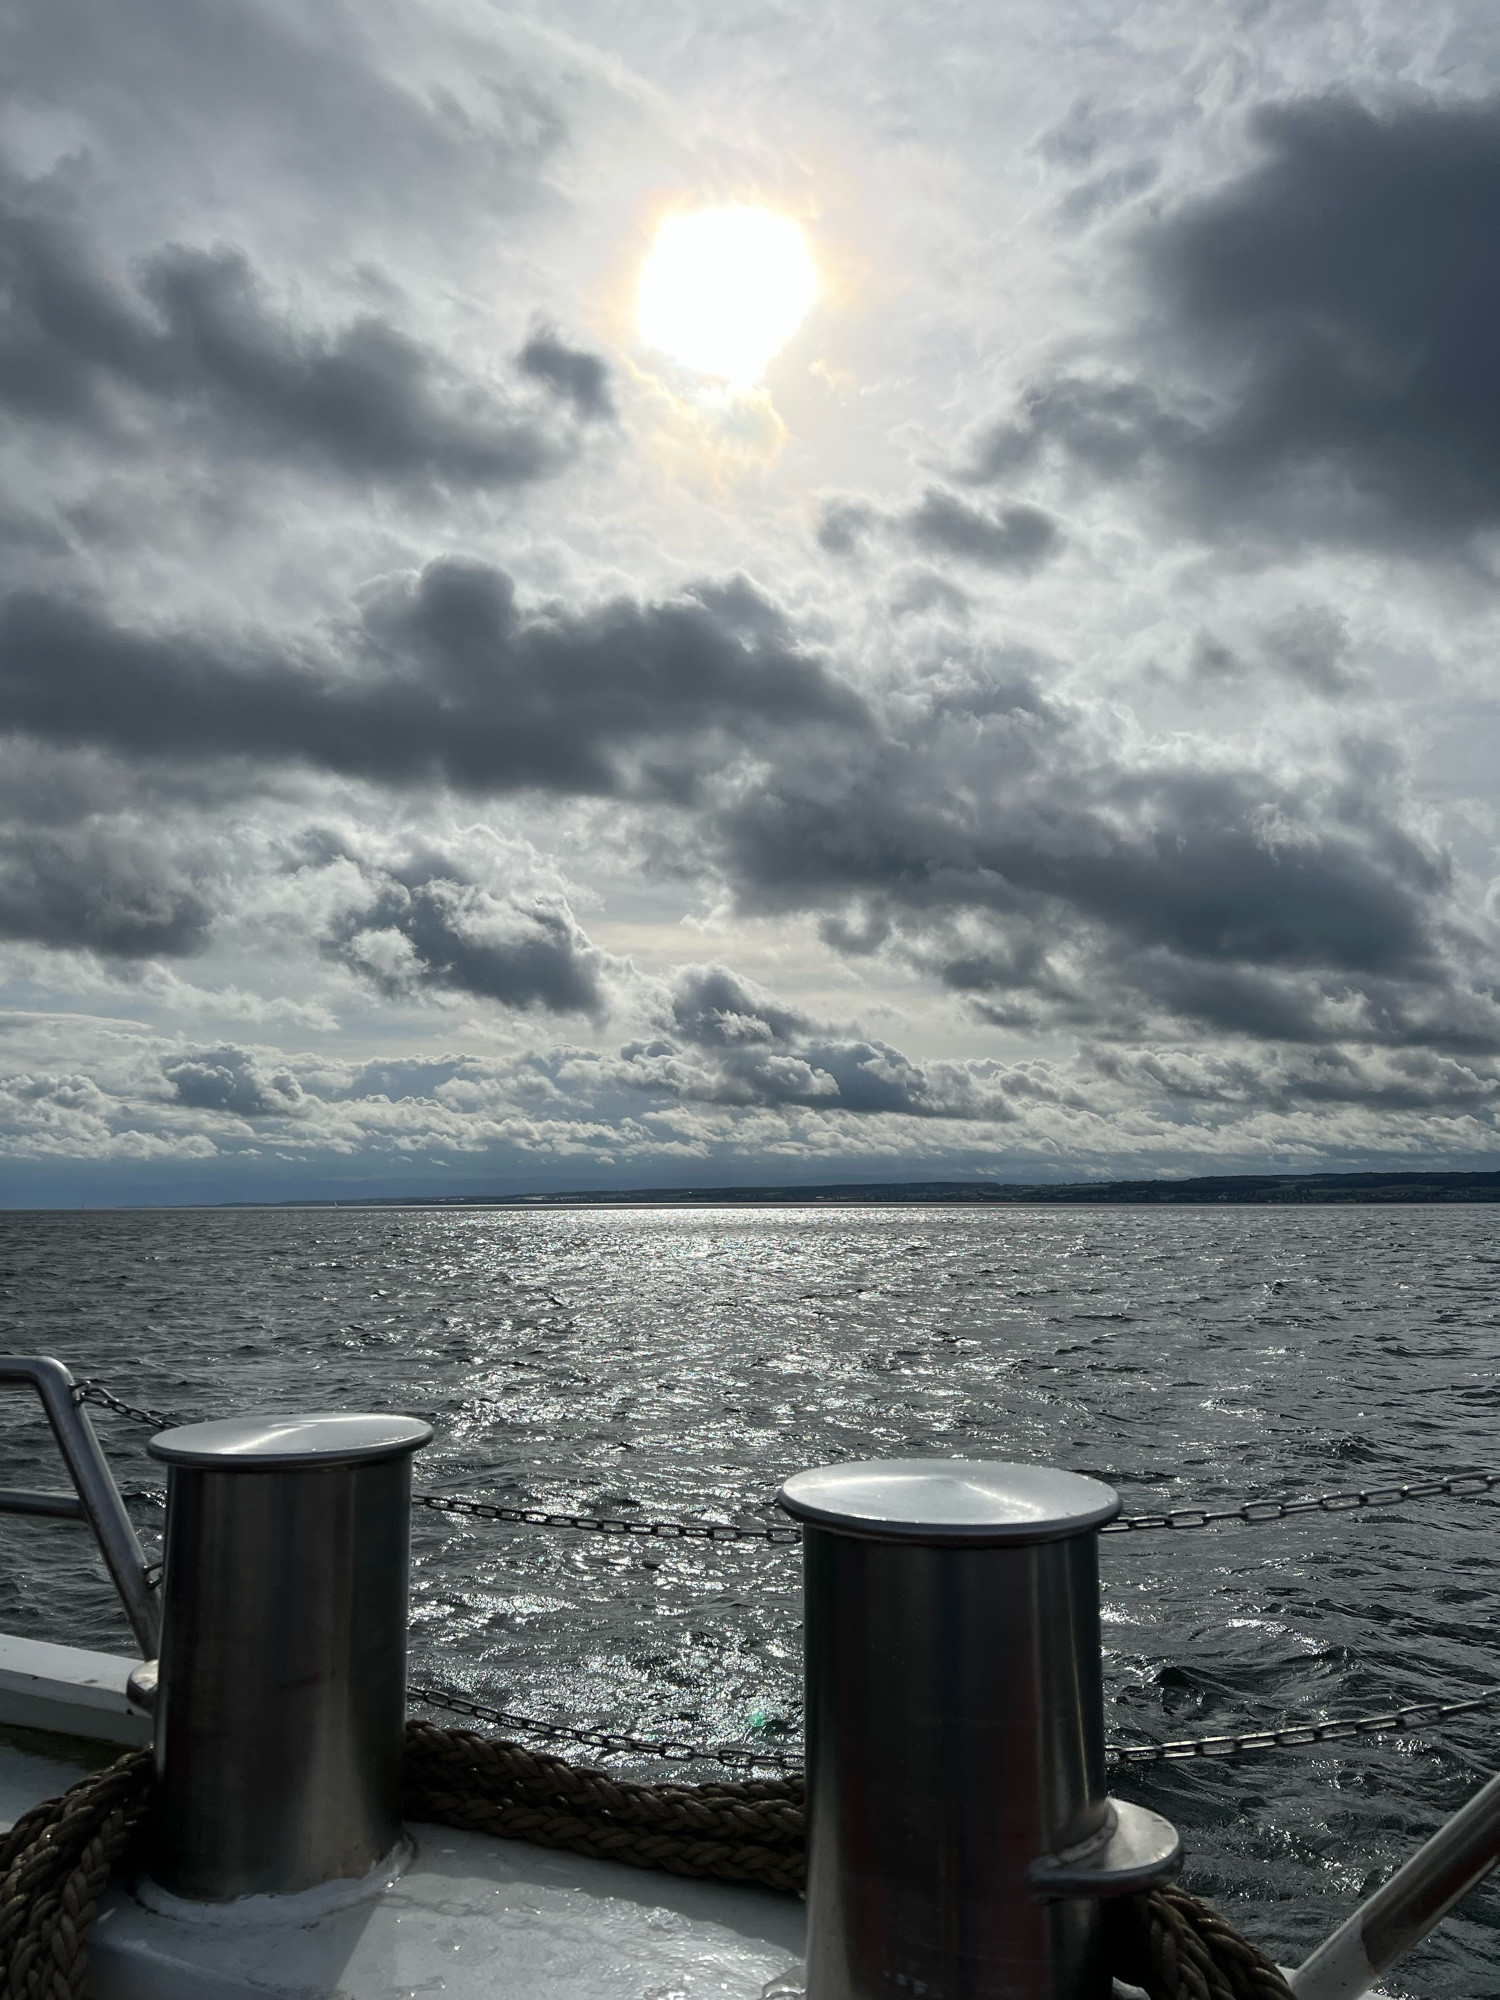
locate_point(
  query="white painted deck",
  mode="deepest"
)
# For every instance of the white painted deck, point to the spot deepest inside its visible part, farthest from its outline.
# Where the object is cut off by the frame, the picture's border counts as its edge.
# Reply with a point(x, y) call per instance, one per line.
point(470, 1918)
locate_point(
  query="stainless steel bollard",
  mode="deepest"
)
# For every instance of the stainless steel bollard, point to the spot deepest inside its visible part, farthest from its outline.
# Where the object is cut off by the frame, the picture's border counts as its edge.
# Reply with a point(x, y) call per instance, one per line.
point(959, 1832)
point(281, 1693)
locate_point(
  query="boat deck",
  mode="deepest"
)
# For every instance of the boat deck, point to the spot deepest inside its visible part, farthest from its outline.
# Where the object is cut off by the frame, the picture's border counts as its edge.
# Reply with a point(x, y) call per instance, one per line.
point(469, 1918)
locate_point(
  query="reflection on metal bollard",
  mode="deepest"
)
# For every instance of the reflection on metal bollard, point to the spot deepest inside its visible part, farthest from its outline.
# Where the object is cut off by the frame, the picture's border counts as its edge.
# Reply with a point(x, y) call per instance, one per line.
point(959, 1831)
point(281, 1701)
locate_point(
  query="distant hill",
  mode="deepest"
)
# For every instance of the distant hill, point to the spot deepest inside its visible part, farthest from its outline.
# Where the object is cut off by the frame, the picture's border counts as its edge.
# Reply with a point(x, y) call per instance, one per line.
point(1211, 1190)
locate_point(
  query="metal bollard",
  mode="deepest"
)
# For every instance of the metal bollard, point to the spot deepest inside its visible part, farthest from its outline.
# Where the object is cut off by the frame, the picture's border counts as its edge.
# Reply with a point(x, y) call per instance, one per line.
point(959, 1832)
point(281, 1691)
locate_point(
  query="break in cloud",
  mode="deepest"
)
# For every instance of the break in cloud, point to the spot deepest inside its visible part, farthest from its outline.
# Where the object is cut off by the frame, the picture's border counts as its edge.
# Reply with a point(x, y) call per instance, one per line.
point(1045, 730)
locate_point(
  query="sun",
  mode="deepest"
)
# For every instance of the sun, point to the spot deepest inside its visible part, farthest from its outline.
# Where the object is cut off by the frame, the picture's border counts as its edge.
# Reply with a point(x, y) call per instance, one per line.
point(723, 290)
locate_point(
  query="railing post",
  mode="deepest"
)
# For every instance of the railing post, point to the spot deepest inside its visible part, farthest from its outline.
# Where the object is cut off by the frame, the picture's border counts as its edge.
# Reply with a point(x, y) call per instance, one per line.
point(98, 1498)
point(959, 1831)
point(281, 1692)
point(1401, 1912)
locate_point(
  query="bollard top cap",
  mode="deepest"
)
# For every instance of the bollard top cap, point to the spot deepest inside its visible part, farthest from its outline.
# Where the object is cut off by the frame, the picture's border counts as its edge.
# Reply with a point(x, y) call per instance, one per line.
point(271, 1443)
point(963, 1502)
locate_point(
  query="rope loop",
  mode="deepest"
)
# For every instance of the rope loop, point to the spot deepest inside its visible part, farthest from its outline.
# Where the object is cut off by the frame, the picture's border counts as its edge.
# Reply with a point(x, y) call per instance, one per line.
point(1177, 1948)
point(54, 1864)
point(56, 1860)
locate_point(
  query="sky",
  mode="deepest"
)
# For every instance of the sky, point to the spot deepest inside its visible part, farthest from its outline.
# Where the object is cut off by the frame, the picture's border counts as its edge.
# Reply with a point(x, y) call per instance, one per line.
point(1043, 727)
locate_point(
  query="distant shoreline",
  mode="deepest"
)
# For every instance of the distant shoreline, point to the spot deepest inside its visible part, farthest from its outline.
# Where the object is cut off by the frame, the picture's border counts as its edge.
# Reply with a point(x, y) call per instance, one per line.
point(1209, 1191)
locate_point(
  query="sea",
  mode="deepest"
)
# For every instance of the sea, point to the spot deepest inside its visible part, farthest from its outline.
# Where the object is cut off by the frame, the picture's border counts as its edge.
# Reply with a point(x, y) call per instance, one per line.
point(679, 1363)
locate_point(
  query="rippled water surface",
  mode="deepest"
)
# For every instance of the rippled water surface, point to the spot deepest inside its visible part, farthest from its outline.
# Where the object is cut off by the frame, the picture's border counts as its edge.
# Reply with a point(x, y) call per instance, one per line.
point(683, 1362)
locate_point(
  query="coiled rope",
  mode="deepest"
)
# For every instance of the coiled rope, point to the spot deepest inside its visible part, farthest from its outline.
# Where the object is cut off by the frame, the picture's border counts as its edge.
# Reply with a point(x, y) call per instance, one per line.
point(1178, 1948)
point(54, 1864)
point(747, 1830)
point(55, 1861)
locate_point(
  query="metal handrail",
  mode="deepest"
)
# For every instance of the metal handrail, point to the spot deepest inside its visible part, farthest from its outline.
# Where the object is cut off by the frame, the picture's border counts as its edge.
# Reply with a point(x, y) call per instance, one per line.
point(1416, 1899)
point(98, 1499)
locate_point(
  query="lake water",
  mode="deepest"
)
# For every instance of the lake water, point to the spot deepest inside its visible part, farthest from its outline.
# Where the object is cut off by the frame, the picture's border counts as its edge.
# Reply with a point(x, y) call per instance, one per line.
point(683, 1362)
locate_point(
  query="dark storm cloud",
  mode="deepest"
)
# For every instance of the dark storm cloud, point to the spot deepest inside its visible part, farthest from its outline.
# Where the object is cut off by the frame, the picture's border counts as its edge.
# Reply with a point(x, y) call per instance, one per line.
point(716, 1009)
point(1337, 306)
point(366, 399)
point(446, 682)
point(196, 343)
point(1278, 1005)
point(580, 378)
point(1016, 538)
point(403, 1078)
point(96, 891)
point(985, 834)
point(1282, 1081)
point(428, 927)
point(233, 1080)
point(730, 1042)
point(1182, 859)
point(1054, 879)
point(1113, 428)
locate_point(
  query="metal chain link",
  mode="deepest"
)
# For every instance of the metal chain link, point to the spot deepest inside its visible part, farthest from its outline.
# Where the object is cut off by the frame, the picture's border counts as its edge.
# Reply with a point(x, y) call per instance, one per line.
point(608, 1524)
point(1297, 1735)
point(486, 1510)
point(1292, 1736)
point(1250, 1513)
point(732, 1755)
point(95, 1392)
point(1257, 1513)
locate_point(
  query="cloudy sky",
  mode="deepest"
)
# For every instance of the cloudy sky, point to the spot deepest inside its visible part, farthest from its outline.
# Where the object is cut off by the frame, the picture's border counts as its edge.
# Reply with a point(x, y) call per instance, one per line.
point(1046, 726)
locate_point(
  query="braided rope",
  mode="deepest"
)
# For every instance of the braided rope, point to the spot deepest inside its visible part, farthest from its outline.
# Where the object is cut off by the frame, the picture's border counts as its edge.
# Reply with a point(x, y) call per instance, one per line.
point(1178, 1948)
point(750, 1831)
point(54, 1863)
point(56, 1860)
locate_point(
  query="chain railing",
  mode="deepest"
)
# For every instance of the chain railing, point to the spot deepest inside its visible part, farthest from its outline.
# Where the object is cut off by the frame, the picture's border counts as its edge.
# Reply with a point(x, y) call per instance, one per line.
point(95, 1392)
point(1301, 1735)
point(1416, 1717)
point(784, 1535)
point(1248, 1514)
point(1261, 1513)
point(614, 1742)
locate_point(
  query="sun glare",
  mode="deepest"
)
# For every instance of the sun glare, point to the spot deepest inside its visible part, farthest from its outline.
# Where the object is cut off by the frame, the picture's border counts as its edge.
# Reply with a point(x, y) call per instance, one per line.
point(724, 290)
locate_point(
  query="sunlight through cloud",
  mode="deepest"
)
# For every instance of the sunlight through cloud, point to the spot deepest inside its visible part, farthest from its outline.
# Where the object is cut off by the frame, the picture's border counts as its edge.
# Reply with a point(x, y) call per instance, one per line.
point(723, 290)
